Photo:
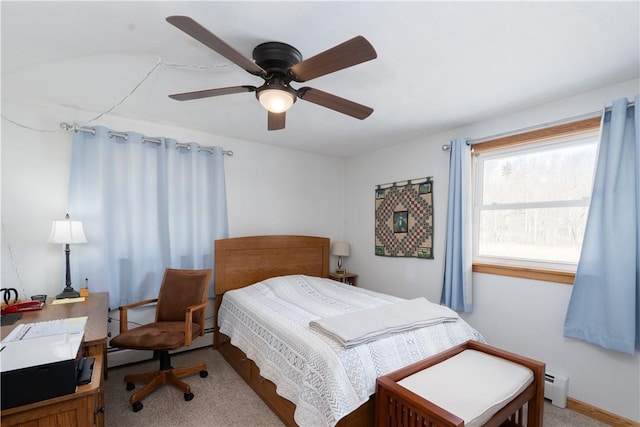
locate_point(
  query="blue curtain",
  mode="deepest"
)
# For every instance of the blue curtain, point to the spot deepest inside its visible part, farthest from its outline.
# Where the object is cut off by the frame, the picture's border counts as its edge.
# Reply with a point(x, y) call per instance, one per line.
point(456, 287)
point(145, 207)
point(604, 308)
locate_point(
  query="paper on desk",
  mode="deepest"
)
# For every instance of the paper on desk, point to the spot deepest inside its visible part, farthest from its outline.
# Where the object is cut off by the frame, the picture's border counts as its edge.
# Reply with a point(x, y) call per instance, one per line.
point(67, 300)
point(24, 331)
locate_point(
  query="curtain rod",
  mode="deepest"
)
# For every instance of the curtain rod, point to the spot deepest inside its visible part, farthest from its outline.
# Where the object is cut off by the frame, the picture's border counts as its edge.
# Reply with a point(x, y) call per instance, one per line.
point(403, 183)
point(125, 136)
point(447, 147)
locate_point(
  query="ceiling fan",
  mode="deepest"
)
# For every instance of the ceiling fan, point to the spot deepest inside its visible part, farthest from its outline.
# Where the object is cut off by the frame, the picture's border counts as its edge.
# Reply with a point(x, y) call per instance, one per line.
point(279, 64)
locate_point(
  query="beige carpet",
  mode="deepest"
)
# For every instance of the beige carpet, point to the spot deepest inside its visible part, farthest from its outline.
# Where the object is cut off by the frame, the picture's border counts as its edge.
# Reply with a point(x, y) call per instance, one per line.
point(222, 399)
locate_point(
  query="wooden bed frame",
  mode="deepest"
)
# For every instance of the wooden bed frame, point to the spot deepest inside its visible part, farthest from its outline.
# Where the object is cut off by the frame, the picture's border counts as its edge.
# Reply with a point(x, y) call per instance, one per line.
point(243, 261)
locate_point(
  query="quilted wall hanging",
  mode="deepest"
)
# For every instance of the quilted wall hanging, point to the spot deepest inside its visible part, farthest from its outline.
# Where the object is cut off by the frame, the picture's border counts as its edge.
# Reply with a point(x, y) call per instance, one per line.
point(404, 219)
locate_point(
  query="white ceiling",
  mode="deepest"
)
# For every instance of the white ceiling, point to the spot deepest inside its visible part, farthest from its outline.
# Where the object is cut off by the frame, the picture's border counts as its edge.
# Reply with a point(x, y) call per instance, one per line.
point(440, 65)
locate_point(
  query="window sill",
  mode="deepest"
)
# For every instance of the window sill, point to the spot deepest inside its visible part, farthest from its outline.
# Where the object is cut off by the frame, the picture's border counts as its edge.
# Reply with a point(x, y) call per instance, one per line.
point(558, 276)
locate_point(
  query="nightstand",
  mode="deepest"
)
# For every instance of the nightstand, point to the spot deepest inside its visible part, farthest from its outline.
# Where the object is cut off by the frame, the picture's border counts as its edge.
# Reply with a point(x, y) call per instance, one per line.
point(348, 278)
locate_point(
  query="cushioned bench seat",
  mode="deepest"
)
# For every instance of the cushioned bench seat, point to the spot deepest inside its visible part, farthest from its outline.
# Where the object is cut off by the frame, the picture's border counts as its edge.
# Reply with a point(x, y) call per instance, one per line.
point(470, 385)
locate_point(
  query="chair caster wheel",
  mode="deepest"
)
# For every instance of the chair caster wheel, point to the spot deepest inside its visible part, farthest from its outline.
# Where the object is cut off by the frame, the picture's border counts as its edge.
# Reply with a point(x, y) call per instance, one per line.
point(203, 374)
point(188, 396)
point(130, 386)
point(137, 406)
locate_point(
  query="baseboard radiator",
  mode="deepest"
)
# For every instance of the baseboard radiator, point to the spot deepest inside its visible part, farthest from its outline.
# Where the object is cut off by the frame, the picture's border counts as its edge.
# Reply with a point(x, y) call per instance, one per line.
point(556, 388)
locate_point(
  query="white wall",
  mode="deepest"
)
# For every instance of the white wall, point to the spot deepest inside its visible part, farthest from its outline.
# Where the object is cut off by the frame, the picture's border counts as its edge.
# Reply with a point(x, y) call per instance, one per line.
point(519, 315)
point(273, 191)
point(269, 190)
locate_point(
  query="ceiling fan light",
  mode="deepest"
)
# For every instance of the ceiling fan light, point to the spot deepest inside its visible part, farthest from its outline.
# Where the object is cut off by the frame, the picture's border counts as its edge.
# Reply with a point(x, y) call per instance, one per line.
point(276, 100)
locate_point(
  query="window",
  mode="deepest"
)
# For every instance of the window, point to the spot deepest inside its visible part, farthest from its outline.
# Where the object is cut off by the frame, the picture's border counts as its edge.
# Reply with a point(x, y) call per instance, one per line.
point(531, 198)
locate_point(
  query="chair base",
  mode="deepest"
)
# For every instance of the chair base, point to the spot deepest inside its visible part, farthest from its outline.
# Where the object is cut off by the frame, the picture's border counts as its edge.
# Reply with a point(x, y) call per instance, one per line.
point(165, 375)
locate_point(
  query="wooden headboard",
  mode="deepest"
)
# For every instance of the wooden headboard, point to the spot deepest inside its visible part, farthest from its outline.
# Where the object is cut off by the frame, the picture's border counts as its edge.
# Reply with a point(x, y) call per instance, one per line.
point(242, 261)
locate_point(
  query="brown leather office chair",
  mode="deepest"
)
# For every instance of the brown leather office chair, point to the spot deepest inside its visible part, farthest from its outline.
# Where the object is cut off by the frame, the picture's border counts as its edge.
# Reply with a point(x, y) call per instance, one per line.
point(179, 319)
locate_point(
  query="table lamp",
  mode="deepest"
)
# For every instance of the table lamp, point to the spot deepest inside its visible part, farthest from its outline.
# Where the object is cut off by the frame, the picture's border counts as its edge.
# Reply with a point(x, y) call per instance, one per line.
point(340, 249)
point(67, 232)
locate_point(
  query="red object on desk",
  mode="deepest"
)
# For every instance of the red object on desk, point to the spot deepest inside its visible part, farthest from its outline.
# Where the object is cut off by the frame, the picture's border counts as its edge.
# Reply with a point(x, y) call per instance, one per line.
point(19, 307)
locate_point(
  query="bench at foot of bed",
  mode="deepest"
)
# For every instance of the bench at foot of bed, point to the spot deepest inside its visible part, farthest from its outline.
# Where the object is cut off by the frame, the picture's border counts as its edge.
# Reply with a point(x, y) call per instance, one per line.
point(472, 384)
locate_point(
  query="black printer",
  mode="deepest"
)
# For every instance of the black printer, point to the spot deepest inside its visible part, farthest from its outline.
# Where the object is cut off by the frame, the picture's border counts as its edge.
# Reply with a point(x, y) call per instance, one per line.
point(40, 368)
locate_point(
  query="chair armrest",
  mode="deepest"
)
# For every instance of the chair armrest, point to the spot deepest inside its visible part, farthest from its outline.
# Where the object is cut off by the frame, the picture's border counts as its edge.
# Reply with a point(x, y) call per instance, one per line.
point(188, 319)
point(124, 322)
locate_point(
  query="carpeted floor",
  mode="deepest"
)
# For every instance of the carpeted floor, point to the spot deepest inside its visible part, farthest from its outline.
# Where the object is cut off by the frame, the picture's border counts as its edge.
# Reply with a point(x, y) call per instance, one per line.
point(223, 399)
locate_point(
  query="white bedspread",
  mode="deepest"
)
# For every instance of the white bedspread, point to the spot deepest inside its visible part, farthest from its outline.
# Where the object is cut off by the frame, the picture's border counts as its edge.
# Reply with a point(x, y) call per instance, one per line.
point(363, 326)
point(269, 322)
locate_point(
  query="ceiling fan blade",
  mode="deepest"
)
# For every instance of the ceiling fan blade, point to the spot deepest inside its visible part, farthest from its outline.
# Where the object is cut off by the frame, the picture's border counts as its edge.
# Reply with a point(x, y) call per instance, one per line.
point(212, 41)
point(344, 55)
point(275, 120)
point(211, 92)
point(335, 103)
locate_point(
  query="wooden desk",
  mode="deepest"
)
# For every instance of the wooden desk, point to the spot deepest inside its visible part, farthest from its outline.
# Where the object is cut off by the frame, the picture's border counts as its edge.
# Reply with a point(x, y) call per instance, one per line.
point(96, 308)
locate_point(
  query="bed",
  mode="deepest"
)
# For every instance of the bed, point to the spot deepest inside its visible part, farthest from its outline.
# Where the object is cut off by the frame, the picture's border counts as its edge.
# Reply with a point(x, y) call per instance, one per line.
point(303, 260)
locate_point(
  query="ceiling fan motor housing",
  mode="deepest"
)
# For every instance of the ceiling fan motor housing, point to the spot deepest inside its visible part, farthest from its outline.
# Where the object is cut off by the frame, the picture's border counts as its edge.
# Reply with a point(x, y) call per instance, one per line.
point(276, 57)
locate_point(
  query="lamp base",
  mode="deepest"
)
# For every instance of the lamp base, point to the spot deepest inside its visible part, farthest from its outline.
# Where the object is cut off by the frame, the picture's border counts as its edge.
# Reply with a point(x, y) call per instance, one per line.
point(341, 271)
point(68, 292)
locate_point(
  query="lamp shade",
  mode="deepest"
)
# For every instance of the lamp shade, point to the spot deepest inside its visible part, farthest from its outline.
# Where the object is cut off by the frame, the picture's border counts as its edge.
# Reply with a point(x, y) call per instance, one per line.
point(276, 100)
point(340, 249)
point(66, 231)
